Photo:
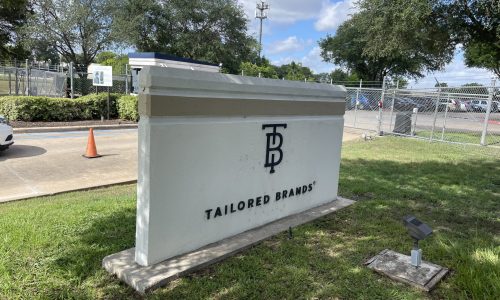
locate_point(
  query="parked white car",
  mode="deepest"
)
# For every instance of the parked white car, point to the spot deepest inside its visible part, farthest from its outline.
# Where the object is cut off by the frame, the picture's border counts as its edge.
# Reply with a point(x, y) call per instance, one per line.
point(6, 134)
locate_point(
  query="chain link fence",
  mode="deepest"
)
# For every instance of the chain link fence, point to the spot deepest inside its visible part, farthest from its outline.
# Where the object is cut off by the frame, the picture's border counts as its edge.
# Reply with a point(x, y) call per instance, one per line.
point(43, 79)
point(463, 115)
point(83, 84)
point(30, 79)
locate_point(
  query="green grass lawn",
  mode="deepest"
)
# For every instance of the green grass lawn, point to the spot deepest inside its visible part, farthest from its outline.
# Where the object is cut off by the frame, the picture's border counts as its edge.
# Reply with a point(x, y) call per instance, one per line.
point(4, 86)
point(461, 137)
point(52, 247)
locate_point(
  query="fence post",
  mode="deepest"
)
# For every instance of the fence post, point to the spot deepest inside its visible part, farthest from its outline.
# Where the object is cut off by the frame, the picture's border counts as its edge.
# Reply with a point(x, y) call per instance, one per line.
point(10, 83)
point(445, 116)
point(392, 105)
point(438, 100)
point(488, 111)
point(126, 79)
point(71, 79)
point(380, 108)
point(357, 101)
point(27, 79)
point(16, 88)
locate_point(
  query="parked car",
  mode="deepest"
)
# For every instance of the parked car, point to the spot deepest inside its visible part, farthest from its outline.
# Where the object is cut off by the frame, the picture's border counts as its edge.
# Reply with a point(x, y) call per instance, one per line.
point(363, 102)
point(495, 106)
point(454, 105)
point(6, 134)
point(482, 105)
point(408, 104)
point(465, 106)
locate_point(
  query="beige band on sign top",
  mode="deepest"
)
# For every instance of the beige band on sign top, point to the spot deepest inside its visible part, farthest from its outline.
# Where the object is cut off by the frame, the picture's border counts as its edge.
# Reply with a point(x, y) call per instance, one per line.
point(177, 92)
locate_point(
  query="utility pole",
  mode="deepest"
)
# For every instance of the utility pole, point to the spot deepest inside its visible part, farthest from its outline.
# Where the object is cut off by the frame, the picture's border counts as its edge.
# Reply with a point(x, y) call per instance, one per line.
point(261, 14)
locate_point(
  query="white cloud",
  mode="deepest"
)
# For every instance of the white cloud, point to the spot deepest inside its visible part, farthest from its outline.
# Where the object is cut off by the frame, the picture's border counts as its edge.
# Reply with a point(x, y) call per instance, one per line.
point(285, 11)
point(314, 61)
point(334, 14)
point(291, 43)
point(455, 73)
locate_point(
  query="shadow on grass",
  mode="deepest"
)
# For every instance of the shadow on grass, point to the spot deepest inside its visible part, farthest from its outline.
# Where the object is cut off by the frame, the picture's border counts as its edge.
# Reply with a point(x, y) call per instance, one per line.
point(325, 258)
point(105, 235)
point(458, 192)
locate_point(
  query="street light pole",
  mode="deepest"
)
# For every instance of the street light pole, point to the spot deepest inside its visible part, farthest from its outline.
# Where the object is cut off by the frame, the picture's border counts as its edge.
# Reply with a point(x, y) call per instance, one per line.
point(261, 14)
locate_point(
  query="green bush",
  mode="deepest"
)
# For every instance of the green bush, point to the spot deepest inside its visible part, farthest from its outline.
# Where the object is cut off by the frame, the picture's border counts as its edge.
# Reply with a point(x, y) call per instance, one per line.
point(93, 106)
point(127, 108)
point(35, 108)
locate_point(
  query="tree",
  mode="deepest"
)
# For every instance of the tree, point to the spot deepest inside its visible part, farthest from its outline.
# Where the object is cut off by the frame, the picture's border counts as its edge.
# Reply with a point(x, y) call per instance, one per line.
point(78, 30)
point(381, 39)
point(340, 76)
point(295, 71)
point(265, 69)
point(13, 14)
point(472, 84)
point(476, 25)
point(117, 61)
point(214, 31)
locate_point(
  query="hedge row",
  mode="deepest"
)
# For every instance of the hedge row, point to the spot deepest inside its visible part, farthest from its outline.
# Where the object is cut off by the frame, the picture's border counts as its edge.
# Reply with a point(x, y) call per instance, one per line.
point(35, 108)
point(127, 108)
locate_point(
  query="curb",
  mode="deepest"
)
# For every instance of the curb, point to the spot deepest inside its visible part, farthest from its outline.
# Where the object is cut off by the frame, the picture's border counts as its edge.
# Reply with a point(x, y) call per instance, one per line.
point(89, 188)
point(73, 128)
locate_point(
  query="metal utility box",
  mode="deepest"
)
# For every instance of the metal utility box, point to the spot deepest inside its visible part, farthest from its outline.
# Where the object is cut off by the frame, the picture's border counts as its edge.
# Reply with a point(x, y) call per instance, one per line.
point(403, 123)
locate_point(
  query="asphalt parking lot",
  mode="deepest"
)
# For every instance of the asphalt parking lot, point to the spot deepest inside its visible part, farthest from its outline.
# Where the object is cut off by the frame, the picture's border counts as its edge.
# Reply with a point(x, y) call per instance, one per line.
point(47, 163)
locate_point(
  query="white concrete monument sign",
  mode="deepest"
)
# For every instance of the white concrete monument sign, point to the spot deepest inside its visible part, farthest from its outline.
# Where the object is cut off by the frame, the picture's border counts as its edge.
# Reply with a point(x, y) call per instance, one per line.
point(220, 154)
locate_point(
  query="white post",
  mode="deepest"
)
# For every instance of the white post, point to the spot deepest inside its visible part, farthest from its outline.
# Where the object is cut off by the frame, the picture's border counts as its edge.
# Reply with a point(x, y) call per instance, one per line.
point(414, 124)
point(380, 108)
point(126, 79)
point(445, 116)
point(488, 111)
point(392, 105)
point(27, 79)
point(438, 100)
point(71, 79)
point(357, 101)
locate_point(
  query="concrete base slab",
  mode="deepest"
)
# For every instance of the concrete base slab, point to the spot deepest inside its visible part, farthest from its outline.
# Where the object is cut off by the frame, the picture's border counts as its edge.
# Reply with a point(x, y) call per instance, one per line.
point(398, 267)
point(144, 279)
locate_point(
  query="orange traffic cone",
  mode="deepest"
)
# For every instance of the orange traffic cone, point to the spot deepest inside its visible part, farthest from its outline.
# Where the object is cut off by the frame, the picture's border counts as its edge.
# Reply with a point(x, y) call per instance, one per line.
point(91, 148)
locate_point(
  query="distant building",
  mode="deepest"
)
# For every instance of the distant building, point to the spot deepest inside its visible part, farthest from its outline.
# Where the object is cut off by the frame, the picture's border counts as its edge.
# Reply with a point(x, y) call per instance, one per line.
point(138, 60)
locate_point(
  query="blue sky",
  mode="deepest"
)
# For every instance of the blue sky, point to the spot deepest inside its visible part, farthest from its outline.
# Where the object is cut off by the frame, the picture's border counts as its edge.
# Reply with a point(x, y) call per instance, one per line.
point(294, 27)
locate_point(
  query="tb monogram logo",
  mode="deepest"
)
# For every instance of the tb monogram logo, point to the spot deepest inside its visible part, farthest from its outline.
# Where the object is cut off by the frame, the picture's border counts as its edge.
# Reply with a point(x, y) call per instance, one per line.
point(274, 154)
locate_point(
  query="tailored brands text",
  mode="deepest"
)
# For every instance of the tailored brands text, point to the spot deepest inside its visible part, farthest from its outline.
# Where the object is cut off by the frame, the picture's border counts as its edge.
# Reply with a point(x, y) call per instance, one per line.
point(274, 156)
point(260, 201)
